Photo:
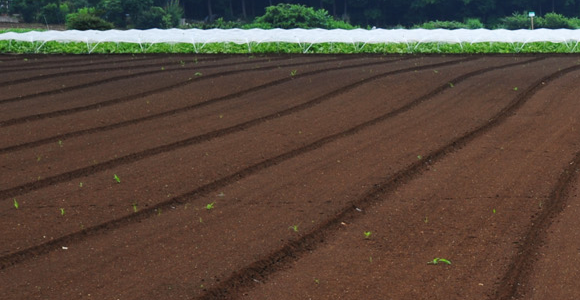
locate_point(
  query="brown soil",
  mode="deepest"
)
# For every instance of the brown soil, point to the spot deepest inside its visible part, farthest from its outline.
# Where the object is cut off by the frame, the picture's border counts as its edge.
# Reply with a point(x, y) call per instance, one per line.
point(473, 159)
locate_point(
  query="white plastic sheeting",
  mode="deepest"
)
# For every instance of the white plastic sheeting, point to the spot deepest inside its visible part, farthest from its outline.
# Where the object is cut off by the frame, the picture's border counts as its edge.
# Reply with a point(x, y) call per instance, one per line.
point(301, 36)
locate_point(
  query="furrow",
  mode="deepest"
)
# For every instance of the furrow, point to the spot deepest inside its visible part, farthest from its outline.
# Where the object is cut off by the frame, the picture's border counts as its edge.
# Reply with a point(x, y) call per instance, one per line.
point(523, 263)
point(181, 110)
point(88, 71)
point(34, 64)
point(111, 102)
point(123, 77)
point(292, 251)
point(131, 158)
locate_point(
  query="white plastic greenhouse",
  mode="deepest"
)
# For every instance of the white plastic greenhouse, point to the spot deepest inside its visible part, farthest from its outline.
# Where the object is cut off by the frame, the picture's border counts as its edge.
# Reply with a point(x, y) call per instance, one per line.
point(304, 37)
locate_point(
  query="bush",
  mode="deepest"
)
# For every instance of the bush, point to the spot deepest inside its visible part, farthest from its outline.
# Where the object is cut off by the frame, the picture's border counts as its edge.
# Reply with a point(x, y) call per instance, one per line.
point(174, 13)
point(556, 21)
point(289, 16)
point(473, 23)
point(518, 21)
point(53, 14)
point(86, 21)
point(441, 25)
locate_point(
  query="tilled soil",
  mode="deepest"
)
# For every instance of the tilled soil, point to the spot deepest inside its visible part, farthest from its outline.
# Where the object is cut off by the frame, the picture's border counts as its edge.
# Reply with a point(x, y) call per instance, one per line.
point(256, 177)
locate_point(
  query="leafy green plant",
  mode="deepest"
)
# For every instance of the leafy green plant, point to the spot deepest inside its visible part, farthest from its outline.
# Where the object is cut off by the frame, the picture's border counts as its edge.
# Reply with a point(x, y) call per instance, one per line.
point(16, 205)
point(294, 227)
point(62, 211)
point(210, 206)
point(198, 74)
point(293, 73)
point(135, 209)
point(367, 234)
point(117, 179)
point(438, 260)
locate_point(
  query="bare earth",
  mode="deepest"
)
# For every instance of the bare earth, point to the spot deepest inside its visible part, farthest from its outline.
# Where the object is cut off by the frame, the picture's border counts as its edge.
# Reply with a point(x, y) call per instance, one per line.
point(256, 177)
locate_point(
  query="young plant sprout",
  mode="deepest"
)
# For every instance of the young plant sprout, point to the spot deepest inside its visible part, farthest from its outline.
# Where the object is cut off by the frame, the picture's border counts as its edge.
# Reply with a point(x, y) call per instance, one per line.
point(117, 179)
point(210, 206)
point(293, 73)
point(438, 260)
point(16, 205)
point(367, 234)
point(294, 227)
point(135, 207)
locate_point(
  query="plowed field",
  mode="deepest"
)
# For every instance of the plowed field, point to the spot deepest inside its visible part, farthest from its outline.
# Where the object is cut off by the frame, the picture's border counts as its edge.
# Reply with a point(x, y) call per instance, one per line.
point(289, 177)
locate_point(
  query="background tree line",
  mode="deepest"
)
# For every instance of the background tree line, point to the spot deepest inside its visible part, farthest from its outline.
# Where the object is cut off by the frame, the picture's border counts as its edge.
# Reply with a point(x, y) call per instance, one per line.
point(230, 13)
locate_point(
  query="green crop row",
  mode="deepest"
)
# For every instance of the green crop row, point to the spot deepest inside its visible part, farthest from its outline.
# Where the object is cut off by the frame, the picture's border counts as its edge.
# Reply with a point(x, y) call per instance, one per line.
point(258, 48)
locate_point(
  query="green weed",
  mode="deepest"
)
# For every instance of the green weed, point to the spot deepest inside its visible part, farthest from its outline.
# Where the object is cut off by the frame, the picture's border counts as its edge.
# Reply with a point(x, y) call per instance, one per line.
point(367, 234)
point(210, 206)
point(16, 205)
point(438, 260)
point(117, 179)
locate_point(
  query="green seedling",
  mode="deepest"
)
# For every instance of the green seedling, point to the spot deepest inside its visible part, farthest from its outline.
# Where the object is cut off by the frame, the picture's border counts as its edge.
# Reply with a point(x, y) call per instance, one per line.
point(451, 85)
point(210, 206)
point(294, 227)
point(117, 179)
point(371, 259)
point(368, 234)
point(435, 71)
point(135, 209)
point(162, 68)
point(182, 63)
point(62, 211)
point(16, 205)
point(80, 184)
point(198, 74)
point(437, 260)
point(516, 88)
point(419, 157)
point(316, 280)
point(293, 73)
point(426, 220)
point(493, 210)
point(60, 143)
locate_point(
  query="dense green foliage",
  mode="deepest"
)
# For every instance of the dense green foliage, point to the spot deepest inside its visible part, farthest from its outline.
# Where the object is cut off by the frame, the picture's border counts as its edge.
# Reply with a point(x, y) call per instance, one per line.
point(297, 16)
point(253, 13)
point(255, 48)
point(86, 19)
